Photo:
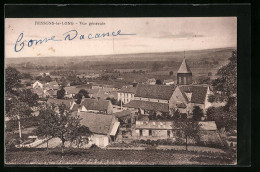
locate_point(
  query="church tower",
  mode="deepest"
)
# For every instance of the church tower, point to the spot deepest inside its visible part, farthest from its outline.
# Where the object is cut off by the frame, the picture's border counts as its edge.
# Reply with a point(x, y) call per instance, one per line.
point(184, 75)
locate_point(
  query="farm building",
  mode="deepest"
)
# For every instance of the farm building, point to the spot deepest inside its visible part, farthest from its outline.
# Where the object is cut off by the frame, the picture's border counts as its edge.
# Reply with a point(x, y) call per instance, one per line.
point(126, 93)
point(96, 105)
point(154, 129)
point(103, 127)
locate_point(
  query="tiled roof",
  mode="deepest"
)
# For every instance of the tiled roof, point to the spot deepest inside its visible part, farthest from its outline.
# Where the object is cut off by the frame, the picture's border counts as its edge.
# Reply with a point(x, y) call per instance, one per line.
point(122, 113)
point(128, 89)
point(153, 106)
point(198, 93)
point(95, 104)
point(72, 90)
point(97, 123)
point(184, 68)
point(163, 92)
point(67, 102)
point(75, 107)
point(39, 91)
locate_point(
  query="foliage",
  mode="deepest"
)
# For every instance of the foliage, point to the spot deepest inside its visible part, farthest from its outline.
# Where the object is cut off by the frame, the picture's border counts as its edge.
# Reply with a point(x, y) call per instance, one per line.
point(26, 76)
point(12, 79)
point(61, 93)
point(62, 124)
point(225, 89)
point(225, 86)
point(222, 118)
point(27, 96)
point(197, 113)
point(80, 94)
point(17, 109)
point(211, 98)
point(46, 123)
point(80, 134)
point(44, 78)
point(158, 82)
point(188, 128)
point(113, 100)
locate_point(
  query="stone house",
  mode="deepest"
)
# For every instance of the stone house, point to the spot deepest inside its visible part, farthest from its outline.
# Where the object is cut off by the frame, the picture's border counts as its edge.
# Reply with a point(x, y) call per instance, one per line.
point(126, 93)
point(154, 130)
point(104, 128)
point(96, 105)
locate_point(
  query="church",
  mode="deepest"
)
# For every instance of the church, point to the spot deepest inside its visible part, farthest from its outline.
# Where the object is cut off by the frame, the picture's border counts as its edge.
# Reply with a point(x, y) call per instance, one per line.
point(181, 97)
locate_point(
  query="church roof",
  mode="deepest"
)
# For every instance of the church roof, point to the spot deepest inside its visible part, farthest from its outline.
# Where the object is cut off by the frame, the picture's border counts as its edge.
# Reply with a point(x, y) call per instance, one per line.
point(184, 68)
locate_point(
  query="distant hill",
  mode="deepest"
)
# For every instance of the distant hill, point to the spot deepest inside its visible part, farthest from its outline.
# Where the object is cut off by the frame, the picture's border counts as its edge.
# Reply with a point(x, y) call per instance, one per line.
point(221, 54)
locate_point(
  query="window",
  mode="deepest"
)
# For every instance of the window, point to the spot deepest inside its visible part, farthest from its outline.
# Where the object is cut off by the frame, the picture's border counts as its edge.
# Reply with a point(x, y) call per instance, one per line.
point(150, 132)
point(168, 133)
point(141, 132)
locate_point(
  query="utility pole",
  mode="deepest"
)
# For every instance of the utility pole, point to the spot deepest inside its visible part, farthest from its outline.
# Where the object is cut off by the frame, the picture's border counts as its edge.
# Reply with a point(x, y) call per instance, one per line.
point(19, 125)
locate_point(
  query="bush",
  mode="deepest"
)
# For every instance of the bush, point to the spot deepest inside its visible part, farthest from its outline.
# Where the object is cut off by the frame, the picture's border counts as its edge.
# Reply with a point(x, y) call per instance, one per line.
point(94, 146)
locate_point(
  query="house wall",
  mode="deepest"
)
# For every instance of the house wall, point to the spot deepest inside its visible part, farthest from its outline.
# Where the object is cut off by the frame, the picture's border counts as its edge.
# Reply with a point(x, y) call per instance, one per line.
point(99, 140)
point(125, 97)
point(207, 103)
point(155, 133)
point(110, 108)
point(176, 98)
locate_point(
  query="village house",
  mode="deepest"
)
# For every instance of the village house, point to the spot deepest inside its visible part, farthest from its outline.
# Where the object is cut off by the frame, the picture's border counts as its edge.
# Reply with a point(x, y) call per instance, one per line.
point(154, 130)
point(151, 98)
point(125, 116)
point(151, 81)
point(104, 128)
point(126, 93)
point(96, 105)
point(102, 92)
point(37, 84)
point(169, 98)
point(67, 102)
point(168, 82)
point(71, 91)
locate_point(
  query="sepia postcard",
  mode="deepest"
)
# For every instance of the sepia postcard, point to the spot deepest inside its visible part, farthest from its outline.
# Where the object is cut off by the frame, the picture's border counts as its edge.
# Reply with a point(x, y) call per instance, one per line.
point(121, 91)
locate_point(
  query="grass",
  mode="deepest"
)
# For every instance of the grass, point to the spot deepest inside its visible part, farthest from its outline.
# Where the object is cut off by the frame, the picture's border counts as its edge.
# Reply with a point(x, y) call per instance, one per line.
point(116, 157)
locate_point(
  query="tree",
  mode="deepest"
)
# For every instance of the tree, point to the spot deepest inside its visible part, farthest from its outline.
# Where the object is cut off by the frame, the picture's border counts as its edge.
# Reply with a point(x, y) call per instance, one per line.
point(171, 73)
point(225, 89)
point(189, 128)
point(81, 135)
point(46, 124)
point(28, 97)
point(61, 93)
point(113, 100)
point(158, 82)
point(220, 116)
point(211, 98)
point(18, 110)
point(197, 113)
point(80, 94)
point(64, 125)
point(12, 79)
point(225, 86)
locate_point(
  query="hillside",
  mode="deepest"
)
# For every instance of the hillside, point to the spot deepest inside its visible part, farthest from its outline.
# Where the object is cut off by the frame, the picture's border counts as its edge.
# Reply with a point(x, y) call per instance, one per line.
point(210, 55)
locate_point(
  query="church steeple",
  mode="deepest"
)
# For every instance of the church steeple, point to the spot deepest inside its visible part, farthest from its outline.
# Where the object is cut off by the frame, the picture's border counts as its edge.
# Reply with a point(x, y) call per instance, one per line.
point(184, 75)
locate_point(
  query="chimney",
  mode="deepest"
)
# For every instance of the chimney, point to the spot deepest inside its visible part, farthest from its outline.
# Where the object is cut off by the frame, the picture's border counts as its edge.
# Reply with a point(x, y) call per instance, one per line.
point(135, 83)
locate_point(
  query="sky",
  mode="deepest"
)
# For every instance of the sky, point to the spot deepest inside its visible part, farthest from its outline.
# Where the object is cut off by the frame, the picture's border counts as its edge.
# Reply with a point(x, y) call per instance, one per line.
point(147, 35)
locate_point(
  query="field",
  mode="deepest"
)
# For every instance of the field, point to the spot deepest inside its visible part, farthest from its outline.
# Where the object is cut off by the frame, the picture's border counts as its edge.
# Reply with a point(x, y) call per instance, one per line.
point(96, 156)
